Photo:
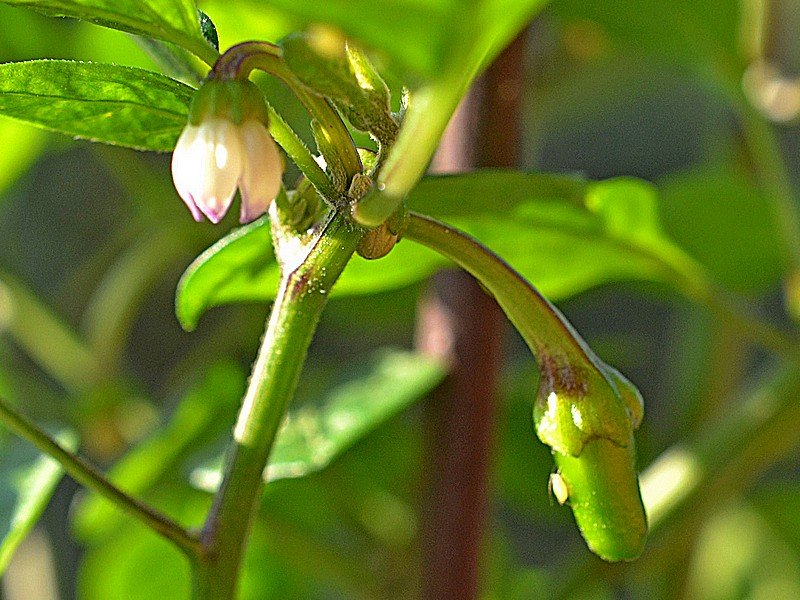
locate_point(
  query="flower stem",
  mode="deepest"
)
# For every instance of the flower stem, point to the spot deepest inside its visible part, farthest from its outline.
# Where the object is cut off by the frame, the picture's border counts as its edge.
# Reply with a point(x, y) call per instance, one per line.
point(89, 476)
point(545, 330)
point(238, 61)
point(300, 154)
point(295, 314)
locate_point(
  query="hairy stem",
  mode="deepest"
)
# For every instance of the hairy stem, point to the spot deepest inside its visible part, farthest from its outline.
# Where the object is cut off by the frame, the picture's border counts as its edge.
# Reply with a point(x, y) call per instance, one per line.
point(89, 476)
point(295, 314)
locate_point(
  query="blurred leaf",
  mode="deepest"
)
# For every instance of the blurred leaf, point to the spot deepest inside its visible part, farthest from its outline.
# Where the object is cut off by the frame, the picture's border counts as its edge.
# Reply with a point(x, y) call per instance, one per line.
point(696, 34)
point(561, 233)
point(22, 146)
point(105, 103)
point(136, 566)
point(779, 504)
point(737, 555)
point(424, 36)
point(46, 338)
point(173, 21)
point(28, 480)
point(312, 437)
point(204, 413)
point(136, 563)
point(726, 222)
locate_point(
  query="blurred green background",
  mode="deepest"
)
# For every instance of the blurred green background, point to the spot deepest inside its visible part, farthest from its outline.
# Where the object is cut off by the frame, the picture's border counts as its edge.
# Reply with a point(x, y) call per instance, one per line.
point(93, 240)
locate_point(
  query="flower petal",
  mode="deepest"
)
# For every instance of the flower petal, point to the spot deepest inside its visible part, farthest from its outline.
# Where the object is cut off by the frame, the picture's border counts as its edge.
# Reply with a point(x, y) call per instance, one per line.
point(261, 170)
point(207, 165)
point(183, 169)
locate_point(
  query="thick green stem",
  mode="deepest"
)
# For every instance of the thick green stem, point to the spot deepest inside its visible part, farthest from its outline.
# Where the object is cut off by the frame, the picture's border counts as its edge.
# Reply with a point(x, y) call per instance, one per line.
point(423, 125)
point(301, 298)
point(87, 475)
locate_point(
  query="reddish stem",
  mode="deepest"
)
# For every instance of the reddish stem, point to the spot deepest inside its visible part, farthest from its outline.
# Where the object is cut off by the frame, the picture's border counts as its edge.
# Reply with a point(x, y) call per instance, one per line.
point(460, 323)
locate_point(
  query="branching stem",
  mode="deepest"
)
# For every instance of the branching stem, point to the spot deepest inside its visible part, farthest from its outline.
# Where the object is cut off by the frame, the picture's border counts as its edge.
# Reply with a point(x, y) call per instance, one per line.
point(89, 476)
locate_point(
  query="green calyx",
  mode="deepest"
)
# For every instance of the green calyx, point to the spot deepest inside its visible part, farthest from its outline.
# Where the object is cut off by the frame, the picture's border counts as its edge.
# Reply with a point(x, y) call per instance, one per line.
point(235, 100)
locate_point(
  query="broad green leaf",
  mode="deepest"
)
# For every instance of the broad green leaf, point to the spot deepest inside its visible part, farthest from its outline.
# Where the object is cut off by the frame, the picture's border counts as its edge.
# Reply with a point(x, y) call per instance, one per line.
point(241, 268)
point(315, 435)
point(726, 222)
point(136, 563)
point(173, 21)
point(104, 103)
point(207, 410)
point(28, 480)
point(563, 234)
point(779, 505)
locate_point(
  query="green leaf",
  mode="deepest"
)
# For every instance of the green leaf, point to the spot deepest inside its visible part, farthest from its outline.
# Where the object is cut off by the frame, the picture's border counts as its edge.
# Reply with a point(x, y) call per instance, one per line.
point(423, 36)
point(28, 480)
point(240, 267)
point(22, 147)
point(315, 435)
point(173, 21)
point(105, 103)
point(563, 234)
point(725, 221)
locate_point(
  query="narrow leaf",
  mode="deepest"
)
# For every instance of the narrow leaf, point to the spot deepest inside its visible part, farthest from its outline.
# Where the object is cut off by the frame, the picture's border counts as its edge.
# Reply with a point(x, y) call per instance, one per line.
point(173, 21)
point(104, 103)
point(28, 481)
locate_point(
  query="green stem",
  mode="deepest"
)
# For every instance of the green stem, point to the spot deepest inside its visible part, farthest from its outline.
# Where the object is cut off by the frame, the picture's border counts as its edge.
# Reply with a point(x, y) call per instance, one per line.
point(300, 154)
point(301, 298)
point(771, 170)
point(89, 476)
point(545, 329)
point(429, 111)
point(495, 273)
point(772, 173)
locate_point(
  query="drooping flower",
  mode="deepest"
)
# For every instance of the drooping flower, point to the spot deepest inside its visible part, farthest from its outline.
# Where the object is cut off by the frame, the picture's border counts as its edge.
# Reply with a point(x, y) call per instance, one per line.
point(226, 145)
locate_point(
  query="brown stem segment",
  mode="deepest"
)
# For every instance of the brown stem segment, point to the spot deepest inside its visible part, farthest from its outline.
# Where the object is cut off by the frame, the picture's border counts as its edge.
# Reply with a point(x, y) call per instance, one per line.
point(461, 324)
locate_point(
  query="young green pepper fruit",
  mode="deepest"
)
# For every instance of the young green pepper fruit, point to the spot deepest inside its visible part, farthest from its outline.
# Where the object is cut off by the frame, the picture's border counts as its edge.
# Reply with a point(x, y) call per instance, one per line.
point(588, 420)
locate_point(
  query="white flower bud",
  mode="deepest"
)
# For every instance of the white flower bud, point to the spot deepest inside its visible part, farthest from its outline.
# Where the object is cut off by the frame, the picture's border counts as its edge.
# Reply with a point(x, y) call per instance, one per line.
point(261, 172)
point(229, 146)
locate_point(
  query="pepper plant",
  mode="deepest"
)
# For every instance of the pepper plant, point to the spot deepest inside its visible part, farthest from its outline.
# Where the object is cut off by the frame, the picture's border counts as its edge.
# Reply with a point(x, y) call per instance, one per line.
point(333, 200)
